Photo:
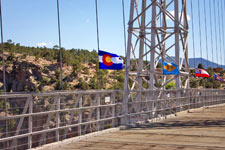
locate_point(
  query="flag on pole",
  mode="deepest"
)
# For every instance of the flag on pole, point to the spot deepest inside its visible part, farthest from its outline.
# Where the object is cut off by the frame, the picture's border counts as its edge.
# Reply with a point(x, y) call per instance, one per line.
point(170, 69)
point(109, 61)
point(201, 73)
point(217, 77)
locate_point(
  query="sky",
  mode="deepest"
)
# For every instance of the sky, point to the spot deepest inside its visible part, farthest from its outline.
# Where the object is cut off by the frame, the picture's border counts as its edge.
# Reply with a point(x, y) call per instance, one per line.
point(34, 23)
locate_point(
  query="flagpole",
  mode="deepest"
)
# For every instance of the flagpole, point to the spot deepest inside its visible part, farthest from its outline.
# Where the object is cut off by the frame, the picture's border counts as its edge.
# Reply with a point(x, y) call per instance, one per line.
point(96, 13)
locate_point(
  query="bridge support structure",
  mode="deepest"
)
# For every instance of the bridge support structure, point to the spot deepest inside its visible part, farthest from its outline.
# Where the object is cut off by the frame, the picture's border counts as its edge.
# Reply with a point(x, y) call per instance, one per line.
point(157, 32)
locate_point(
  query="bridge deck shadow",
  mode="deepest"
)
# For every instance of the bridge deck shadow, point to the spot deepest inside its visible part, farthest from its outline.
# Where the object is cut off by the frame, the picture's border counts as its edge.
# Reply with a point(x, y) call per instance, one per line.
point(185, 124)
point(200, 129)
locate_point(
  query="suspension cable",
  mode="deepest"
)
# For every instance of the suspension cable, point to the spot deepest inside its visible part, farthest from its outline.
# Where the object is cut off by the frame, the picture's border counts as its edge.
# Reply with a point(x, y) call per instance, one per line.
point(2, 46)
point(193, 36)
point(3, 69)
point(124, 28)
point(200, 33)
point(222, 33)
point(219, 23)
point(96, 14)
point(206, 37)
point(211, 32)
point(215, 32)
point(60, 46)
point(222, 18)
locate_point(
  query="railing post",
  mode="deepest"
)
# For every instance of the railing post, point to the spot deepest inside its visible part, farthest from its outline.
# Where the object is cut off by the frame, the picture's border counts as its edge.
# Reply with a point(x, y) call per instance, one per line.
point(178, 101)
point(98, 111)
point(30, 122)
point(213, 97)
point(197, 99)
point(113, 110)
point(163, 113)
point(80, 115)
point(57, 118)
point(205, 99)
point(148, 103)
point(6, 122)
point(153, 104)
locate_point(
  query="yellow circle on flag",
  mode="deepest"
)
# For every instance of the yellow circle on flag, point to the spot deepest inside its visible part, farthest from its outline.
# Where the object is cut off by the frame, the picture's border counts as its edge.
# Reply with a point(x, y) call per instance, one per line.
point(108, 59)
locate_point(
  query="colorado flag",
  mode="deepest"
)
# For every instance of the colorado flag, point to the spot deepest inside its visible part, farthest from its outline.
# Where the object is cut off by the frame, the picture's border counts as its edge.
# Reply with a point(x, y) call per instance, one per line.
point(109, 61)
point(170, 69)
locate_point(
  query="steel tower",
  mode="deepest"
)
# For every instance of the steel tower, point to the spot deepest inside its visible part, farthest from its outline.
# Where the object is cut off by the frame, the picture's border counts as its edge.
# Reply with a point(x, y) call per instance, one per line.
point(157, 32)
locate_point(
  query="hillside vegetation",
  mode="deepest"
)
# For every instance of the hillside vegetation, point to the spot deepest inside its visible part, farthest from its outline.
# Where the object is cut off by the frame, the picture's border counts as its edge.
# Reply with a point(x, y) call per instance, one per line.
point(35, 69)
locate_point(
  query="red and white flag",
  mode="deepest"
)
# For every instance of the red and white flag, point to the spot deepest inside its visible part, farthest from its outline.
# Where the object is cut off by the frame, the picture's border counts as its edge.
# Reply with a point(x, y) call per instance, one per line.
point(201, 73)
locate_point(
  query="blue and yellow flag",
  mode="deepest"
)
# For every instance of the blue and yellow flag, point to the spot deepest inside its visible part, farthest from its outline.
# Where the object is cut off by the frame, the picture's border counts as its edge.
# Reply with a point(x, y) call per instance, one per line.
point(170, 69)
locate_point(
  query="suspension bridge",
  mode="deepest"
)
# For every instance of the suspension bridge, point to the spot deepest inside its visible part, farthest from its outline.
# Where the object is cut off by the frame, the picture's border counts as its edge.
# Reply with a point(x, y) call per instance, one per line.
point(158, 31)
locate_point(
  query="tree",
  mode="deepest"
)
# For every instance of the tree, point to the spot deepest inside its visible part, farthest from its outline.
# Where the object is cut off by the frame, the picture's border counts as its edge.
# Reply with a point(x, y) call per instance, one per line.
point(200, 66)
point(93, 83)
point(194, 83)
point(82, 84)
point(159, 65)
point(76, 68)
point(216, 84)
point(55, 47)
point(9, 41)
point(209, 85)
point(171, 85)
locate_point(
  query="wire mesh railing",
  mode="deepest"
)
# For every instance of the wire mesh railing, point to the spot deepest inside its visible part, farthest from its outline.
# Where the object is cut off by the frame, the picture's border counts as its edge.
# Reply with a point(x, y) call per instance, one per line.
point(33, 120)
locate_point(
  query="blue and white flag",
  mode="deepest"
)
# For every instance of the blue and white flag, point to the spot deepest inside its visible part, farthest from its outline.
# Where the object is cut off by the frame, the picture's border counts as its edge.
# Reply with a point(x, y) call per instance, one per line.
point(170, 69)
point(109, 61)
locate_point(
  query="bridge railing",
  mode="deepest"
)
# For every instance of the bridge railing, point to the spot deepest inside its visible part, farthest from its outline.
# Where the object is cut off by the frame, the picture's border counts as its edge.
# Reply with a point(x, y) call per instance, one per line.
point(32, 120)
point(161, 103)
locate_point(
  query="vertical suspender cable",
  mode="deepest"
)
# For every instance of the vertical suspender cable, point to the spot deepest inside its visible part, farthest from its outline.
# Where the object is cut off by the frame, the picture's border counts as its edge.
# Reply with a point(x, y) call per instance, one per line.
point(219, 24)
point(222, 32)
point(215, 32)
point(222, 18)
point(124, 29)
point(96, 12)
point(193, 36)
point(224, 27)
point(206, 36)
point(3, 68)
point(2, 46)
point(200, 33)
point(60, 46)
point(210, 15)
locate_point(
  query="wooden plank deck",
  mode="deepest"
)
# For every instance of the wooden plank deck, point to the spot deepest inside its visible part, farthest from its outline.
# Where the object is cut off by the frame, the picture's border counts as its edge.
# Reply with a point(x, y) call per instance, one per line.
point(200, 129)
